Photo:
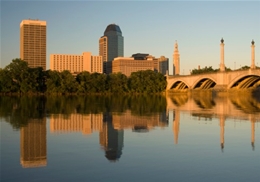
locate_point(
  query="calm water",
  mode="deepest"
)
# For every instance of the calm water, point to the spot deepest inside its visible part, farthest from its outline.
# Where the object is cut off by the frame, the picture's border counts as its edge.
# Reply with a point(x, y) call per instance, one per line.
point(142, 138)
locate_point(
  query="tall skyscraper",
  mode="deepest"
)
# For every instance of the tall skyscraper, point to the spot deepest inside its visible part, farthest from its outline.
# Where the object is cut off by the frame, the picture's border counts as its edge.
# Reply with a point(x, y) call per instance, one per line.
point(111, 45)
point(33, 43)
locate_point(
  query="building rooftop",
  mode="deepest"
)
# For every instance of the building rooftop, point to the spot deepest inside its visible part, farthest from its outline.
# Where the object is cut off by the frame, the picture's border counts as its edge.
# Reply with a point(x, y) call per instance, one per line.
point(112, 27)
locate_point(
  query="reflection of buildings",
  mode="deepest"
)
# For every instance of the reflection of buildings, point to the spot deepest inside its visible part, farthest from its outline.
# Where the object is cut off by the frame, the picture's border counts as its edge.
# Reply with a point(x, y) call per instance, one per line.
point(222, 131)
point(112, 135)
point(127, 120)
point(111, 140)
point(176, 126)
point(253, 133)
point(33, 144)
point(76, 123)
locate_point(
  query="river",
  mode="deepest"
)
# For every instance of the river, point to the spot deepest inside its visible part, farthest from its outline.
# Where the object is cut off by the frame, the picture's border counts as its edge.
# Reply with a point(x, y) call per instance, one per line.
point(130, 138)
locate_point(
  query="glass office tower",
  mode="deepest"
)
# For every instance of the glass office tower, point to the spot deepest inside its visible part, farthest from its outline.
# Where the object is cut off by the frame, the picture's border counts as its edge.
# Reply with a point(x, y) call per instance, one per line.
point(111, 45)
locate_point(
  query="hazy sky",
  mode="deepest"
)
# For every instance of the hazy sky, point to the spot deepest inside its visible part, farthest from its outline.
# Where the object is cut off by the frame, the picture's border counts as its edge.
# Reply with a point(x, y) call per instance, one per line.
point(148, 27)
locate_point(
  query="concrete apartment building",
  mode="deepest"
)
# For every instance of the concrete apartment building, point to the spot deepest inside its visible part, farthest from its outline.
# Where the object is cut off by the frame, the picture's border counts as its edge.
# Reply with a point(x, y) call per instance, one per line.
point(111, 45)
point(76, 63)
point(139, 62)
point(33, 43)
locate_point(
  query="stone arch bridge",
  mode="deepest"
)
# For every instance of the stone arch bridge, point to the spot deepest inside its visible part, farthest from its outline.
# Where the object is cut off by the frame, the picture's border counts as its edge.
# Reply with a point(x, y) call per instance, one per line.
point(222, 80)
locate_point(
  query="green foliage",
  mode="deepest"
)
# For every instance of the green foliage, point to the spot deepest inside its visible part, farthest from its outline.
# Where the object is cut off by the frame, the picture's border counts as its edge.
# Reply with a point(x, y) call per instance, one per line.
point(117, 83)
point(84, 80)
point(98, 83)
point(147, 82)
point(53, 82)
point(68, 83)
point(204, 70)
point(245, 68)
point(7, 85)
point(17, 77)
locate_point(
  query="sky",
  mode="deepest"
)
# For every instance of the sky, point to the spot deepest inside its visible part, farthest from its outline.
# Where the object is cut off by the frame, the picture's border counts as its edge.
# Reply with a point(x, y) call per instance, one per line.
point(152, 27)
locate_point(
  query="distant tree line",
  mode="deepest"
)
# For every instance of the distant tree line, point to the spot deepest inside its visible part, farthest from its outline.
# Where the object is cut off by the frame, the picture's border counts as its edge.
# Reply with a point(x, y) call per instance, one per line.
point(211, 70)
point(206, 70)
point(18, 78)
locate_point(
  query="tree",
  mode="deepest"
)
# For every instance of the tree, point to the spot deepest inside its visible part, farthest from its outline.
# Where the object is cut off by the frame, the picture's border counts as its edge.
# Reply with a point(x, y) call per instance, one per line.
point(32, 80)
point(7, 85)
point(18, 77)
point(84, 82)
point(245, 68)
point(147, 82)
point(68, 82)
point(16, 69)
point(97, 83)
point(204, 70)
point(117, 83)
point(53, 82)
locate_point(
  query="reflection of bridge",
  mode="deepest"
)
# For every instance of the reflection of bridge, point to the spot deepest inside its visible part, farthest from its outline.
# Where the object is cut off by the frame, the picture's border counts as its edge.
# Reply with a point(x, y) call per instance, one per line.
point(228, 107)
point(244, 108)
point(219, 80)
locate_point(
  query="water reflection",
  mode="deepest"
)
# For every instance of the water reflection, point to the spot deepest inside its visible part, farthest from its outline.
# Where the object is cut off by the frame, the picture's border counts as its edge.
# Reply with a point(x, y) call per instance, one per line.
point(111, 139)
point(110, 116)
point(208, 106)
point(33, 144)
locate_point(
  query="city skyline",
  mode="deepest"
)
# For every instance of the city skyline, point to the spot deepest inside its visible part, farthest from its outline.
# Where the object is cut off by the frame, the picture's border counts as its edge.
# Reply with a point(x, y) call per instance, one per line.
point(197, 26)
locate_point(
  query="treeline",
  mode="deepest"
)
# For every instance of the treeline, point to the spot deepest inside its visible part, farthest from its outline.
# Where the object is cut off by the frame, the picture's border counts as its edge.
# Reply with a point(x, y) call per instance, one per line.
point(18, 78)
point(206, 70)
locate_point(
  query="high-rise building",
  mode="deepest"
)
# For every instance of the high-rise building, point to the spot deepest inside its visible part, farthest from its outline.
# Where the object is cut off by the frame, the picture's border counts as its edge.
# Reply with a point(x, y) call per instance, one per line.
point(33, 43)
point(76, 63)
point(111, 45)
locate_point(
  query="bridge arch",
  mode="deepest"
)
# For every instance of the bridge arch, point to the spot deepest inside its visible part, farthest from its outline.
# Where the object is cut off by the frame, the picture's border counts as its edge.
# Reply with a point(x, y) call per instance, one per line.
point(179, 85)
point(245, 81)
point(204, 83)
